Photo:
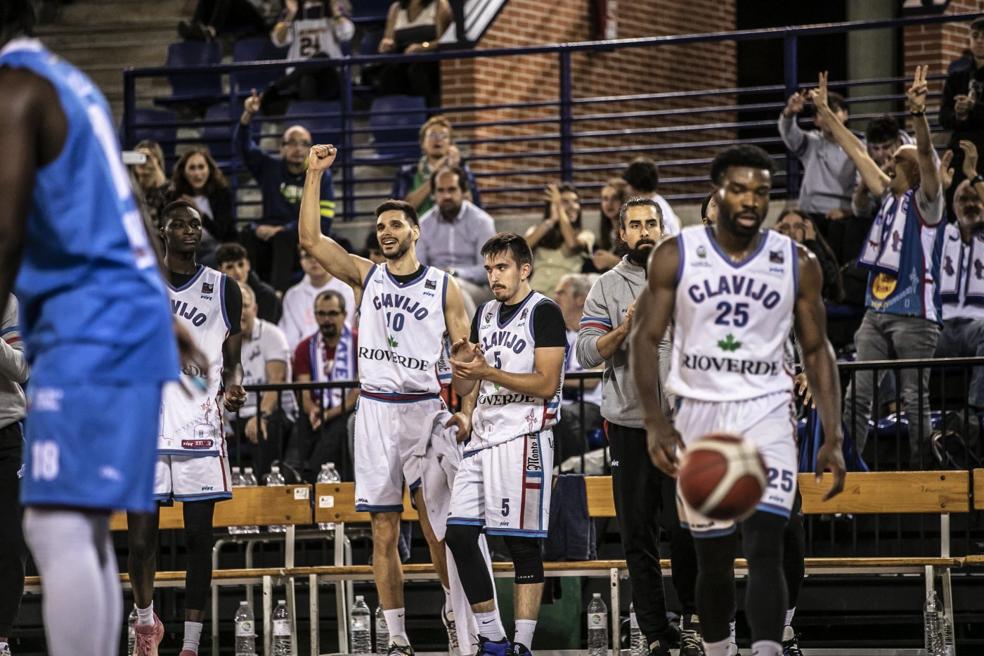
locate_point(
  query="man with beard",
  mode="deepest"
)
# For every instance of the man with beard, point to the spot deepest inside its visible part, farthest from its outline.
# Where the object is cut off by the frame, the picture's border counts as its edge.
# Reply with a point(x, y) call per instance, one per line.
point(407, 312)
point(326, 356)
point(452, 233)
point(645, 497)
point(962, 276)
point(733, 292)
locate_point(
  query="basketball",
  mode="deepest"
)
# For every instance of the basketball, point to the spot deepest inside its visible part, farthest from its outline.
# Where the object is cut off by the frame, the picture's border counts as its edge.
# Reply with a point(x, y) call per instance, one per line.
point(722, 477)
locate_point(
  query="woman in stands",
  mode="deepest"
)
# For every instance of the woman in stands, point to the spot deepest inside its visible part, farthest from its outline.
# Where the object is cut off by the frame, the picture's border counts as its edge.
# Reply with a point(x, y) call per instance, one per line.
point(198, 180)
point(798, 227)
point(414, 26)
point(607, 251)
point(156, 188)
point(560, 244)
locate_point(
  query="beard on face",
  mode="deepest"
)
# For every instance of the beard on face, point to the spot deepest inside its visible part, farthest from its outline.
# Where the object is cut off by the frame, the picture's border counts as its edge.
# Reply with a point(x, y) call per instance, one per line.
point(329, 330)
point(401, 249)
point(640, 253)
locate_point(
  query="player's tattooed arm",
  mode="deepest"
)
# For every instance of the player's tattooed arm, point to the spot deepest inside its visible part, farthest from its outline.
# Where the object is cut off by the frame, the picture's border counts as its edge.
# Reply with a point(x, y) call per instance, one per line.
point(653, 312)
point(350, 269)
point(820, 365)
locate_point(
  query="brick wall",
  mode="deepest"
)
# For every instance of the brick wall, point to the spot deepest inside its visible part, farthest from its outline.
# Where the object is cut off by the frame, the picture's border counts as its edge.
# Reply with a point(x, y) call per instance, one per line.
point(532, 79)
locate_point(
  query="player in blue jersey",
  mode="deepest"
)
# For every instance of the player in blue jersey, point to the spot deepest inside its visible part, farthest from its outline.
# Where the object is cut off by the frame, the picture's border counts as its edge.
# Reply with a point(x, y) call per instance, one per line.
point(97, 328)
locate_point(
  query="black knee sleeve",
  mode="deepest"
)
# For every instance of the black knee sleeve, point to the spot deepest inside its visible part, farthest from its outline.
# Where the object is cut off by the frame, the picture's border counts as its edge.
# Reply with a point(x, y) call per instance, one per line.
point(198, 542)
point(765, 594)
point(716, 585)
point(468, 560)
point(527, 558)
point(794, 551)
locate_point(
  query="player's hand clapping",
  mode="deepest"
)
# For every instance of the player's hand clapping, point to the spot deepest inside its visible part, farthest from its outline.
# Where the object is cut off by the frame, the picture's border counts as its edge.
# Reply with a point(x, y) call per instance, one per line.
point(476, 368)
point(321, 157)
point(465, 351)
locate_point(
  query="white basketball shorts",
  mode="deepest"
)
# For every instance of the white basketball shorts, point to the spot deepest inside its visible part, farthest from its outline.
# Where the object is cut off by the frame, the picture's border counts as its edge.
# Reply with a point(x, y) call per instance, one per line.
point(192, 478)
point(769, 423)
point(506, 487)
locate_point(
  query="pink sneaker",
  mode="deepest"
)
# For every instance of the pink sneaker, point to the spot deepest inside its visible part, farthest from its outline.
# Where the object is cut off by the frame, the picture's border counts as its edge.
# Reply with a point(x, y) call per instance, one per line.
point(148, 637)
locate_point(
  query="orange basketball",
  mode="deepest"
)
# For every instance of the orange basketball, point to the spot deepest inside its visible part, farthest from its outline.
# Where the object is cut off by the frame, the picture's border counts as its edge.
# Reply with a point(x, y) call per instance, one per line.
point(722, 477)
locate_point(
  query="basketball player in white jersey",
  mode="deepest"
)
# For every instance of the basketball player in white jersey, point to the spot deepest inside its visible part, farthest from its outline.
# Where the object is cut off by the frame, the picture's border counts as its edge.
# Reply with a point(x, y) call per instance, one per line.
point(407, 311)
point(733, 291)
point(515, 357)
point(192, 466)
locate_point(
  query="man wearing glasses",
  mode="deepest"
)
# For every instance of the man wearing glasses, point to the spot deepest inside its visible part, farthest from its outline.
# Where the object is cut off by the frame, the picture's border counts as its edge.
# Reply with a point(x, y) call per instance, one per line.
point(414, 182)
point(271, 240)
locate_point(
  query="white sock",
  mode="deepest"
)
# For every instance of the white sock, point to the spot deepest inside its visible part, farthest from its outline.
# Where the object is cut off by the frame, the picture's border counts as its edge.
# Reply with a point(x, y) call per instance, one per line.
point(146, 615)
point(524, 633)
point(395, 623)
point(766, 648)
point(489, 626)
point(193, 635)
point(789, 616)
point(720, 648)
point(788, 633)
point(731, 628)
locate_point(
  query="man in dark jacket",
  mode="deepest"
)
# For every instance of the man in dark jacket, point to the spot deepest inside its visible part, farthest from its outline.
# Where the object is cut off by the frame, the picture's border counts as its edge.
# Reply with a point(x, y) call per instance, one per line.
point(962, 105)
point(233, 261)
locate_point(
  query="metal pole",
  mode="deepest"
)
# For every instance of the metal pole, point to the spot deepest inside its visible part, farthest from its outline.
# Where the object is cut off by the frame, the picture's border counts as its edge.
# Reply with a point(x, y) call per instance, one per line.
point(348, 169)
point(566, 117)
point(791, 81)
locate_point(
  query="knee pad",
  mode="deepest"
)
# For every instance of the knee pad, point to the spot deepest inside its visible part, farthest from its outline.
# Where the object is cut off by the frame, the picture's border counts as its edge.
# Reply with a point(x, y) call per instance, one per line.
point(460, 539)
point(527, 559)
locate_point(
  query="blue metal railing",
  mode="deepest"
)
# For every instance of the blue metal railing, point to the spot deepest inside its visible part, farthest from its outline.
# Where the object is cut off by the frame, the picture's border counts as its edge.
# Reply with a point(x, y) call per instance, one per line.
point(563, 148)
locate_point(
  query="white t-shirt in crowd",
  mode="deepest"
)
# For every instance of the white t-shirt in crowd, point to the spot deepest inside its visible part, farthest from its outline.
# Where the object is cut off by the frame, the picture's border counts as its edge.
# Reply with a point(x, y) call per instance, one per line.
point(266, 343)
point(298, 320)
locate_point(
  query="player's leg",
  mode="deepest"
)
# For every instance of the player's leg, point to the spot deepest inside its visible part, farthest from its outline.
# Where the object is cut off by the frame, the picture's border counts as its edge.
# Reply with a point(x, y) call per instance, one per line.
point(765, 591)
point(12, 551)
point(434, 544)
point(142, 540)
point(73, 553)
point(388, 574)
point(527, 559)
point(716, 603)
point(199, 540)
point(794, 552)
point(684, 568)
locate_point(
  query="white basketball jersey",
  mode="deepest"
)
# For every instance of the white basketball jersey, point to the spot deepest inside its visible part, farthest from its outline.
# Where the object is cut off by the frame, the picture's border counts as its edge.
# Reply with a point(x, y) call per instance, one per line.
point(502, 414)
point(192, 425)
point(732, 319)
point(401, 332)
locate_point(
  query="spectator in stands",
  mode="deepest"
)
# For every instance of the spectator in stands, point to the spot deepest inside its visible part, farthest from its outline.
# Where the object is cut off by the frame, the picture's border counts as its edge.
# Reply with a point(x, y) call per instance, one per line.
point(828, 173)
point(413, 182)
point(232, 260)
point(326, 355)
point(272, 239)
point(902, 318)
point(962, 104)
point(571, 433)
point(799, 227)
point(607, 252)
point(452, 234)
point(642, 178)
point(414, 26)
point(266, 361)
point(213, 18)
point(298, 320)
point(560, 244)
point(198, 180)
point(372, 251)
point(154, 184)
point(318, 29)
point(962, 275)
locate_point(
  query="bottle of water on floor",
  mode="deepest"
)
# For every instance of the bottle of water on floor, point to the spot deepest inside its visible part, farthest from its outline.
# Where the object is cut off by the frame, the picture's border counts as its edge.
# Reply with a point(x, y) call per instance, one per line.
point(597, 626)
point(249, 480)
point(131, 632)
point(932, 625)
point(245, 630)
point(637, 644)
point(361, 627)
point(237, 481)
point(382, 632)
point(281, 630)
point(328, 474)
point(275, 479)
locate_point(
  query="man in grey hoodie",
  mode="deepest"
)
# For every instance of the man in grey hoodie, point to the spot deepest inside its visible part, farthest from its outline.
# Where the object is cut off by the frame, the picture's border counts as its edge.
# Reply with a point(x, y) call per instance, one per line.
point(645, 497)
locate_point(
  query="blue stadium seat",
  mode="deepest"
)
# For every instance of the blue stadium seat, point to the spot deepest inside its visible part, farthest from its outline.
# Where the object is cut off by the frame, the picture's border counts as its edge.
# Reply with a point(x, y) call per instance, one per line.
point(253, 49)
point(395, 135)
point(323, 129)
point(164, 134)
point(218, 138)
point(198, 88)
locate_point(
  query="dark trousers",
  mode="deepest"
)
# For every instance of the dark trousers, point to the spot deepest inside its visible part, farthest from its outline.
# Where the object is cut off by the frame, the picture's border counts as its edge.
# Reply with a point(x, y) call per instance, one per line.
point(327, 444)
point(266, 451)
point(645, 499)
point(274, 260)
point(231, 15)
point(12, 550)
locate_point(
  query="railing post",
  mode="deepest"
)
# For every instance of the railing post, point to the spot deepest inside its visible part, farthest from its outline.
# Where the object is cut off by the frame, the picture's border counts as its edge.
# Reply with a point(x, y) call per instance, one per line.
point(348, 167)
point(129, 107)
point(566, 114)
point(791, 82)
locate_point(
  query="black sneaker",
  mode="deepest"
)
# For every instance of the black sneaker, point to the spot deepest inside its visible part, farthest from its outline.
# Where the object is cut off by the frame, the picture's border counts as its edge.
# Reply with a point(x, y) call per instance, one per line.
point(691, 643)
point(659, 648)
point(790, 646)
point(399, 650)
point(519, 649)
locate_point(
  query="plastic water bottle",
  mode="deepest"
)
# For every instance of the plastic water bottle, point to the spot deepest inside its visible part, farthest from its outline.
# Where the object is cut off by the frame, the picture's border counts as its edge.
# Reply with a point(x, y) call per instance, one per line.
point(281, 630)
point(245, 630)
point(382, 632)
point(275, 478)
point(237, 481)
point(328, 474)
point(361, 627)
point(949, 647)
point(637, 644)
point(249, 480)
point(597, 626)
point(933, 626)
point(131, 632)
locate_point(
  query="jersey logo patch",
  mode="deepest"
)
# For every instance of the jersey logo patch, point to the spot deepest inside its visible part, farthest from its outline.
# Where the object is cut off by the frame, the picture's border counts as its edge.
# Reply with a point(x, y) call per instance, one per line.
point(207, 288)
point(701, 251)
point(776, 257)
point(430, 284)
point(197, 444)
point(729, 344)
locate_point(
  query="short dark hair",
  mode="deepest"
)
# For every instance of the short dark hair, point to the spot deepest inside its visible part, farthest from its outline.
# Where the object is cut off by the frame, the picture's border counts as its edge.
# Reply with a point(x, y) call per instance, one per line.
point(457, 170)
point(836, 102)
point(409, 211)
point(642, 174)
point(881, 129)
point(331, 293)
point(977, 23)
point(176, 207)
point(230, 252)
point(744, 155)
point(17, 17)
point(509, 241)
point(639, 202)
